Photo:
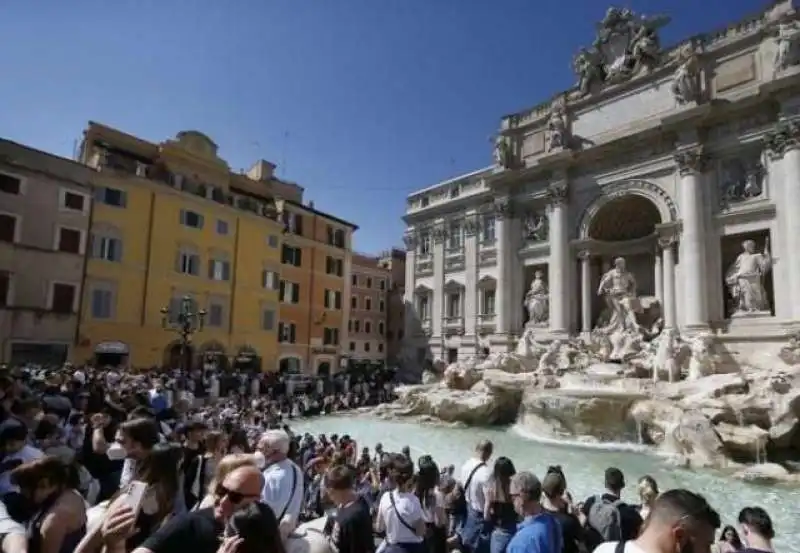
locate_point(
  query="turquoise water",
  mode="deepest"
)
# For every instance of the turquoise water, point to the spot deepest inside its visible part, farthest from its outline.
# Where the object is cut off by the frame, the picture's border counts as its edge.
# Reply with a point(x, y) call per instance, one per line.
point(583, 466)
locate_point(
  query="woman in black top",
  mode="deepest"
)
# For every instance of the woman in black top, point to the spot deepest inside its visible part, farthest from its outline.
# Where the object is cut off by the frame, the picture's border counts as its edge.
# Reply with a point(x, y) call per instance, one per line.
point(499, 505)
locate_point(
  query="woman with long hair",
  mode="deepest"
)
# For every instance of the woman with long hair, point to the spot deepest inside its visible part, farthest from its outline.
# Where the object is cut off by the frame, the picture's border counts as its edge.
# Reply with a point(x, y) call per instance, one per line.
point(729, 540)
point(648, 492)
point(400, 513)
point(499, 508)
point(51, 488)
point(432, 502)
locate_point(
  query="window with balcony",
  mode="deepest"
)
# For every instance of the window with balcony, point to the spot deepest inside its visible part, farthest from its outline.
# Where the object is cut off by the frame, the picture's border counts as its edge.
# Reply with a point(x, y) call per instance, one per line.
point(334, 266)
point(10, 184)
point(330, 336)
point(188, 263)
point(111, 196)
point(191, 219)
point(62, 297)
point(219, 269)
point(106, 248)
point(270, 280)
point(292, 256)
point(287, 333)
point(69, 240)
point(333, 299)
point(289, 292)
point(8, 228)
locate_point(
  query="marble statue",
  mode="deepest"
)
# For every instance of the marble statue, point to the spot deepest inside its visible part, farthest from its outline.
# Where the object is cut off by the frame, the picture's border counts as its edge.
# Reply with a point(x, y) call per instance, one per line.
point(549, 361)
point(786, 47)
point(618, 287)
point(666, 357)
point(537, 300)
point(686, 82)
point(535, 228)
point(745, 279)
point(557, 132)
point(503, 155)
point(589, 67)
point(742, 179)
point(701, 362)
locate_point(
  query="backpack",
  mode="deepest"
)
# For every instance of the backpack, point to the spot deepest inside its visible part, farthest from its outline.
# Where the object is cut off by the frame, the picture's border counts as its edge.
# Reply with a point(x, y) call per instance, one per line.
point(605, 519)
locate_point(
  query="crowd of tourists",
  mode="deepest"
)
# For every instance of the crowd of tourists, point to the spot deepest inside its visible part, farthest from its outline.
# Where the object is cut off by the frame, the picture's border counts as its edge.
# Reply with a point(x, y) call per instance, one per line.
point(97, 461)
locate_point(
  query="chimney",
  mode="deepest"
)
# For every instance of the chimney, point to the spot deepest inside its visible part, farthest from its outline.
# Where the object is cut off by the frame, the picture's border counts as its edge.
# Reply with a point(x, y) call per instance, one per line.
point(261, 170)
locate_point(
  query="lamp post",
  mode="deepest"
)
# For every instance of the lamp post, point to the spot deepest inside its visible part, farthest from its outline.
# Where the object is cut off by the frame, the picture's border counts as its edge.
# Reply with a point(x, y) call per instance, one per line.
point(187, 321)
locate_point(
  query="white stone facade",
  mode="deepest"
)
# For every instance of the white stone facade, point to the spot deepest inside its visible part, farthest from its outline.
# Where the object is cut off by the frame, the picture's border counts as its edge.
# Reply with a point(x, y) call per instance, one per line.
point(672, 163)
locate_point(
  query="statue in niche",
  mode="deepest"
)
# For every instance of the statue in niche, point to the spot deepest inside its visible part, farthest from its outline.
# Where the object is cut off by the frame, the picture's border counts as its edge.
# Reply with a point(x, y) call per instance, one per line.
point(788, 35)
point(745, 279)
point(618, 287)
point(503, 155)
point(686, 80)
point(537, 300)
point(741, 181)
point(558, 134)
point(535, 228)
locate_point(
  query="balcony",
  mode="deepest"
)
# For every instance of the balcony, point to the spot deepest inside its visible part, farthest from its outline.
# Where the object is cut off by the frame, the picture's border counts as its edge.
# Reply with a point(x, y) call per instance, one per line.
point(453, 325)
point(424, 266)
point(486, 322)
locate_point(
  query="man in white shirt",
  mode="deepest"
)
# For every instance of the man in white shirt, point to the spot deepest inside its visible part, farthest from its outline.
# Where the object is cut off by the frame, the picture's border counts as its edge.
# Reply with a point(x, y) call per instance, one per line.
point(283, 480)
point(474, 476)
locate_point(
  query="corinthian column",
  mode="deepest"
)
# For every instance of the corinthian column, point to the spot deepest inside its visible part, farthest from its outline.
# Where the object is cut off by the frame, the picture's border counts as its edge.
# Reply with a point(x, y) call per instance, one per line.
point(503, 291)
point(557, 268)
point(668, 265)
point(437, 312)
point(691, 164)
point(586, 291)
point(783, 147)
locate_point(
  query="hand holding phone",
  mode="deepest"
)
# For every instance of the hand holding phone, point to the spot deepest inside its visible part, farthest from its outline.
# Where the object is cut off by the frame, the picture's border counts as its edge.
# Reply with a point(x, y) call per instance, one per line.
point(134, 495)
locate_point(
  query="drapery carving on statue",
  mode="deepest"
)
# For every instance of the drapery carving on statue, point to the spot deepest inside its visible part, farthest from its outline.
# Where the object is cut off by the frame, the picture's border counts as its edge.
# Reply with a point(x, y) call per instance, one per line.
point(745, 279)
point(787, 43)
point(653, 192)
point(686, 80)
point(537, 300)
point(666, 362)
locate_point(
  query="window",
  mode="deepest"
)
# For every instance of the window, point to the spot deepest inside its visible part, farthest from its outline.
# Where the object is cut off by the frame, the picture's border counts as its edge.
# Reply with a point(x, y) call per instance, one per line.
point(62, 298)
point(382, 284)
point(289, 292)
point(425, 243)
point(454, 237)
point(349, 326)
point(292, 256)
point(354, 302)
point(487, 302)
point(69, 240)
point(333, 299)
point(102, 303)
point(5, 289)
point(222, 227)
point(335, 237)
point(269, 280)
point(487, 232)
point(352, 346)
point(424, 308)
point(356, 326)
point(381, 328)
point(381, 306)
point(366, 346)
point(368, 304)
point(330, 336)
point(380, 347)
point(354, 280)
point(8, 228)
point(10, 184)
point(369, 282)
point(215, 314)
point(272, 241)
point(106, 248)
point(268, 319)
point(367, 327)
point(287, 333)
point(293, 222)
point(191, 219)
point(454, 304)
point(111, 196)
point(73, 201)
point(189, 263)
point(219, 270)
point(334, 266)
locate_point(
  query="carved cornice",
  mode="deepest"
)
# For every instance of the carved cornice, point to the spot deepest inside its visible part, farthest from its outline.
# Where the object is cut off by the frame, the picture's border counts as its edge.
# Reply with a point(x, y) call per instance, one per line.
point(691, 162)
point(557, 192)
point(784, 137)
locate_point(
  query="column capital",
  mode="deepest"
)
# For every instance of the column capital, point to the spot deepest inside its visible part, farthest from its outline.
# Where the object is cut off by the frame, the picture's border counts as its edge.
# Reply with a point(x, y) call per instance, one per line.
point(439, 233)
point(584, 255)
point(410, 239)
point(691, 161)
point(784, 137)
point(557, 192)
point(470, 225)
point(665, 242)
point(502, 207)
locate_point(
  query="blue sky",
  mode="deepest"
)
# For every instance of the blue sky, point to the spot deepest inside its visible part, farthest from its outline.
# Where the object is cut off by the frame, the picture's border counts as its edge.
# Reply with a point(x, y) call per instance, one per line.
point(359, 101)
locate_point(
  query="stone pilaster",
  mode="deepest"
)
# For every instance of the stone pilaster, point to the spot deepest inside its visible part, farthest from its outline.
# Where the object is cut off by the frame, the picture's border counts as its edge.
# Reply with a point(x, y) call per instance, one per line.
point(471, 301)
point(783, 148)
point(586, 291)
point(691, 166)
point(503, 244)
point(437, 308)
point(558, 267)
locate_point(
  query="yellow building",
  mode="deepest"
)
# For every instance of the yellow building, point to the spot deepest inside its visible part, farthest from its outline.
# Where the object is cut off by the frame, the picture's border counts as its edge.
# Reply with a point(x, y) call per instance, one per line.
point(171, 220)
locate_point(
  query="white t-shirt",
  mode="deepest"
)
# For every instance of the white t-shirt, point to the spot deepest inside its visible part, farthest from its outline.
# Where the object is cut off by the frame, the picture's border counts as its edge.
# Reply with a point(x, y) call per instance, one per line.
point(410, 509)
point(611, 547)
point(277, 491)
point(475, 495)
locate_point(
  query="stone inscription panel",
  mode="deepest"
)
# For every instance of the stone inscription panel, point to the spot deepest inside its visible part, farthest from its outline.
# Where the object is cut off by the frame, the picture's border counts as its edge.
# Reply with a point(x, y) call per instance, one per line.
point(617, 113)
point(734, 72)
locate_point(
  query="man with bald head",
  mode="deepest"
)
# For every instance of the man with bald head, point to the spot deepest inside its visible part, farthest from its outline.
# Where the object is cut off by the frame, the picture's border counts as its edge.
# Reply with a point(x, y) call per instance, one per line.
point(284, 487)
point(200, 531)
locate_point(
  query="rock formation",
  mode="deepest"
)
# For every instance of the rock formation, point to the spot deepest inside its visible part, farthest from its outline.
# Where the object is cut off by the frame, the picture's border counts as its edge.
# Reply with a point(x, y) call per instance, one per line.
point(690, 399)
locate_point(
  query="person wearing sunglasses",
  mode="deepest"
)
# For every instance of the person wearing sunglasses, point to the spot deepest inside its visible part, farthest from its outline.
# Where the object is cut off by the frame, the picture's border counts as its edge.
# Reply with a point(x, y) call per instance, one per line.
point(200, 531)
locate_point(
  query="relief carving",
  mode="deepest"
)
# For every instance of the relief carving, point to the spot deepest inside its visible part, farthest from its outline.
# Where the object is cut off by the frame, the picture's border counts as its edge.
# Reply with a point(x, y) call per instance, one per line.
point(535, 227)
point(741, 179)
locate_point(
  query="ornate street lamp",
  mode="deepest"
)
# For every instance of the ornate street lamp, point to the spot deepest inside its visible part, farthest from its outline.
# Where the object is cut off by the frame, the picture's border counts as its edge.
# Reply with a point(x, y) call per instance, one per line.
point(186, 322)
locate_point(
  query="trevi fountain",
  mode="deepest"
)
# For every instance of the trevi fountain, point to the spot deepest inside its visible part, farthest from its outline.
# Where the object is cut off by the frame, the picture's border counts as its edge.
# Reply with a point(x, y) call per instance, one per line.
point(624, 277)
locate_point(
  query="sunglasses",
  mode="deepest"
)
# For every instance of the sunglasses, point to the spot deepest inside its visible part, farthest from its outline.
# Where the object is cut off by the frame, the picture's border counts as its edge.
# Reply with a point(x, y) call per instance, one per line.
point(233, 496)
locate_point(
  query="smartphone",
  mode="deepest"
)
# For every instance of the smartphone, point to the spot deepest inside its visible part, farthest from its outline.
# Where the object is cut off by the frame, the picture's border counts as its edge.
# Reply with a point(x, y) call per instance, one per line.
point(134, 495)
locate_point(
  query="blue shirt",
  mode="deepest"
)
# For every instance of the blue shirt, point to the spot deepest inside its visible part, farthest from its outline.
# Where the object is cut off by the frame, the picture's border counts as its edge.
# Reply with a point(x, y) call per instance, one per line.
point(537, 534)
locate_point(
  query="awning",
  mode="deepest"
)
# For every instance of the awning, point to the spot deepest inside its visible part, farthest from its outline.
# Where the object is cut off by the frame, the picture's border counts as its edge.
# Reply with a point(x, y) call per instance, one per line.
point(116, 348)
